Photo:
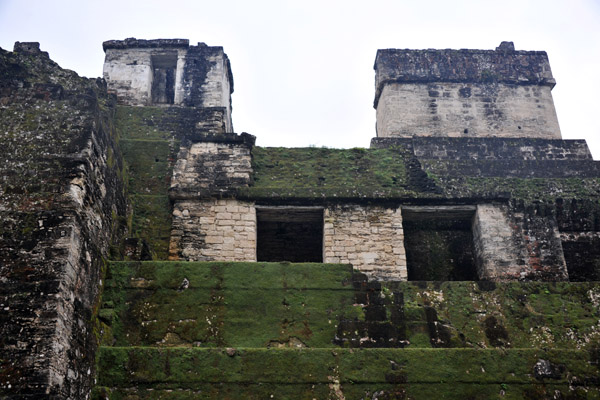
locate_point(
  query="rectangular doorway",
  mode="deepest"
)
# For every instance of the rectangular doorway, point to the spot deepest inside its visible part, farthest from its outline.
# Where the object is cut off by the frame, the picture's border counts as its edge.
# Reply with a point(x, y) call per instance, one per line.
point(293, 234)
point(439, 243)
point(164, 67)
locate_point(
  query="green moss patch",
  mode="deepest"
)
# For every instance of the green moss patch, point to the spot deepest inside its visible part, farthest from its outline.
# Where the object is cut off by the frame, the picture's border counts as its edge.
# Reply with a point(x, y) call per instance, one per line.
point(227, 304)
point(186, 330)
point(150, 165)
point(313, 305)
point(394, 172)
point(507, 314)
point(151, 221)
point(366, 369)
point(141, 123)
point(321, 172)
point(149, 145)
point(381, 391)
point(529, 189)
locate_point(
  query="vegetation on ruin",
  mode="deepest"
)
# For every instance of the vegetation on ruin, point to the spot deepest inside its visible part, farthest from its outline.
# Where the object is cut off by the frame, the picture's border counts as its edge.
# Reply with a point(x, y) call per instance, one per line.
point(283, 304)
point(149, 150)
point(226, 304)
point(325, 373)
point(219, 329)
point(319, 173)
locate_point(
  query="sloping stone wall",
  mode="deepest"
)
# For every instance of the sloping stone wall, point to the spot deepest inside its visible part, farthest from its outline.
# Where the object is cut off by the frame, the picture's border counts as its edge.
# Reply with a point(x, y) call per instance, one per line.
point(62, 204)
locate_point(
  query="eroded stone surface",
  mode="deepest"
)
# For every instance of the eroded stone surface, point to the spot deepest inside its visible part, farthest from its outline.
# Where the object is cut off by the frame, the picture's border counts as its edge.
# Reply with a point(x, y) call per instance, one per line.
point(167, 72)
point(61, 206)
point(527, 205)
point(464, 93)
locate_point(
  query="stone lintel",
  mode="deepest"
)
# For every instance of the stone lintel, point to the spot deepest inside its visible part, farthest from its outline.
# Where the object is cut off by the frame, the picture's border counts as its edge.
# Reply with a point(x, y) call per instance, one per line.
point(244, 139)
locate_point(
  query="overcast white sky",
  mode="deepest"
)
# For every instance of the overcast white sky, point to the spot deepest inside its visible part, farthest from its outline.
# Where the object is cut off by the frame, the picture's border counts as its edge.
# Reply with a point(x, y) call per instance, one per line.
point(303, 70)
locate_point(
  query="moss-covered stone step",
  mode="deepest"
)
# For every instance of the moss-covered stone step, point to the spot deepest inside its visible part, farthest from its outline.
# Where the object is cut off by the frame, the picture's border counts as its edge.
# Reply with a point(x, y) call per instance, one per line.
point(351, 372)
point(478, 314)
point(514, 168)
point(225, 304)
point(216, 304)
point(149, 170)
point(160, 123)
point(536, 190)
point(486, 148)
point(353, 391)
point(397, 173)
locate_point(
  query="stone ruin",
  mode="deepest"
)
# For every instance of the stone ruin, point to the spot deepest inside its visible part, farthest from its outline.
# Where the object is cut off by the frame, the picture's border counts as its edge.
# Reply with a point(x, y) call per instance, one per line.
point(142, 240)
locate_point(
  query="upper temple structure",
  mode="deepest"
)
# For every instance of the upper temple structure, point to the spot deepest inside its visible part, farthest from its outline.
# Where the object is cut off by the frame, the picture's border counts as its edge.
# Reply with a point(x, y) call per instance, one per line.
point(170, 72)
point(149, 251)
point(465, 93)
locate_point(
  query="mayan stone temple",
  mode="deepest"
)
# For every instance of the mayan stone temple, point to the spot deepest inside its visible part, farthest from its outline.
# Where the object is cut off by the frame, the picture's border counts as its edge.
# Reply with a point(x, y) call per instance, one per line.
point(148, 251)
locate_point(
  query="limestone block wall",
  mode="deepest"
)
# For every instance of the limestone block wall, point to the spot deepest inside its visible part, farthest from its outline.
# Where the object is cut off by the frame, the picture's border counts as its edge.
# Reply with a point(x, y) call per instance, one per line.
point(370, 238)
point(212, 229)
point(466, 110)
point(208, 223)
point(211, 168)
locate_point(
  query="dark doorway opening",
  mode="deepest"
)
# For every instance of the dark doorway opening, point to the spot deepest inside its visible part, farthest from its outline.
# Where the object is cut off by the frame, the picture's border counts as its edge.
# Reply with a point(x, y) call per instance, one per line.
point(292, 234)
point(164, 67)
point(582, 255)
point(439, 243)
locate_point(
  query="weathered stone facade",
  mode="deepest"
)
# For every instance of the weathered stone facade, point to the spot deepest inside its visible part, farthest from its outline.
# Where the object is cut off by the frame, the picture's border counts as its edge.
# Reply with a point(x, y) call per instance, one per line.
point(466, 110)
point(465, 93)
point(208, 168)
point(169, 71)
point(206, 226)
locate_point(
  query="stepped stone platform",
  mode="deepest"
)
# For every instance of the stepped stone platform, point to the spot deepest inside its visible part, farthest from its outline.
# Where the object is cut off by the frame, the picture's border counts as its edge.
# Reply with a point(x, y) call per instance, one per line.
point(181, 330)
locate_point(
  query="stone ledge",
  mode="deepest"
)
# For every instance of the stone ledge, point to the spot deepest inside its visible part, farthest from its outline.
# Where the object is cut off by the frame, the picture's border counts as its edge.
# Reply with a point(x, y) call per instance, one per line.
point(170, 368)
point(492, 148)
point(131, 43)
